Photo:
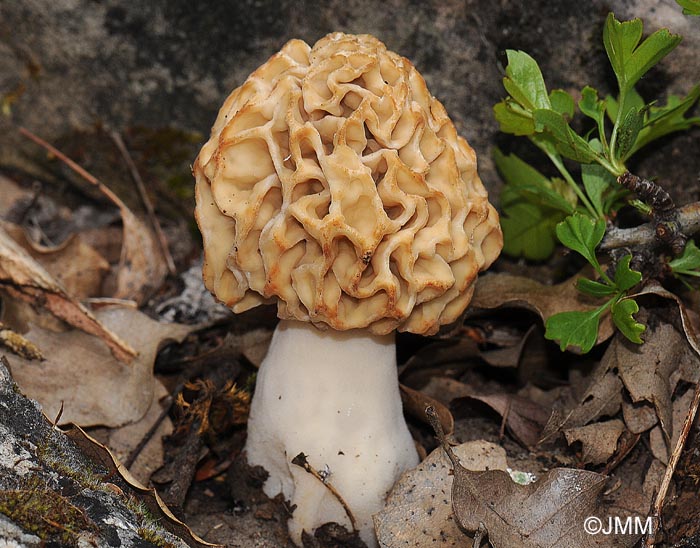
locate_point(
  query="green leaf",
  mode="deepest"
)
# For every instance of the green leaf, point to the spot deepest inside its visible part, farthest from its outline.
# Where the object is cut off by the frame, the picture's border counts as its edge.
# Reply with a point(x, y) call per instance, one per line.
point(562, 102)
point(524, 181)
point(628, 132)
point(689, 262)
point(568, 143)
point(670, 118)
point(574, 329)
point(632, 100)
point(590, 104)
point(626, 278)
point(690, 7)
point(582, 234)
point(513, 119)
point(524, 81)
point(595, 289)
point(528, 231)
point(622, 315)
point(594, 108)
point(630, 59)
point(596, 180)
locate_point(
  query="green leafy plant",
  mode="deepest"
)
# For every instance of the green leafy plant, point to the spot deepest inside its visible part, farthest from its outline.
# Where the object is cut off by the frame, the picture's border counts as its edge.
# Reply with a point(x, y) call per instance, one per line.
point(690, 7)
point(574, 206)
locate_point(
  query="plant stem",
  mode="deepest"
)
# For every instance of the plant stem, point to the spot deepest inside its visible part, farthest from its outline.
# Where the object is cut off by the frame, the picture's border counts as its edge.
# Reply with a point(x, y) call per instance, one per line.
point(556, 160)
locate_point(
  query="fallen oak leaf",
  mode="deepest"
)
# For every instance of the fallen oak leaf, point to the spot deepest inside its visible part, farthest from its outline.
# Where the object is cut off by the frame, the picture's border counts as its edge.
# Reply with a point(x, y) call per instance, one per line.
point(506, 290)
point(25, 279)
point(418, 510)
point(523, 418)
point(599, 440)
point(74, 264)
point(599, 394)
point(80, 373)
point(549, 513)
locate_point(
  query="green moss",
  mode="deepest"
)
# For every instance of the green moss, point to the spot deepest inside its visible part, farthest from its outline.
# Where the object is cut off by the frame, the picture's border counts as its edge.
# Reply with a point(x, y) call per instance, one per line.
point(54, 457)
point(45, 513)
point(154, 537)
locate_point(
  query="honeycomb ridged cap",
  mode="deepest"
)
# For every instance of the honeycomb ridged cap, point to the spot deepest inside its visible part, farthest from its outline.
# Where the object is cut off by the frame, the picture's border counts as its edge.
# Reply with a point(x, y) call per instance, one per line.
point(335, 185)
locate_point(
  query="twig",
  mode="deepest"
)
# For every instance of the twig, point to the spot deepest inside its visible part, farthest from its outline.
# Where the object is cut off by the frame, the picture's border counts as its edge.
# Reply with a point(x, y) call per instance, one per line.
point(672, 463)
point(136, 176)
point(688, 221)
point(136, 451)
point(300, 460)
point(116, 200)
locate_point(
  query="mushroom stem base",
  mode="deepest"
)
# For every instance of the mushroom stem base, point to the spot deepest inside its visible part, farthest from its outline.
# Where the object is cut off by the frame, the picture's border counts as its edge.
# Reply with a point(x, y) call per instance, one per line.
point(333, 396)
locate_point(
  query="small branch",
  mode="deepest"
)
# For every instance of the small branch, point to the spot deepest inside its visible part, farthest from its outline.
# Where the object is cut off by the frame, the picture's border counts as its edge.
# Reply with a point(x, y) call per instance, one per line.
point(672, 463)
point(300, 460)
point(136, 176)
point(687, 220)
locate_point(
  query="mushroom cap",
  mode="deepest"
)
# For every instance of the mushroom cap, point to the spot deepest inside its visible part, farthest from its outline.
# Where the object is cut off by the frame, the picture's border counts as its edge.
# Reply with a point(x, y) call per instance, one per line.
point(335, 185)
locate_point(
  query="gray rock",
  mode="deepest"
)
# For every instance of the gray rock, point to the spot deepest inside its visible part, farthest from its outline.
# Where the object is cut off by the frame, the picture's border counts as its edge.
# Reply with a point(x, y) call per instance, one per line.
point(77, 63)
point(44, 478)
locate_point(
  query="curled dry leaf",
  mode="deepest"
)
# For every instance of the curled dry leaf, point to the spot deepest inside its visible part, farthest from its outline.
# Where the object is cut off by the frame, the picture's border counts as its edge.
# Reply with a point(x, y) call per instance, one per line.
point(506, 290)
point(142, 266)
point(661, 444)
point(599, 394)
point(418, 511)
point(599, 440)
point(155, 504)
point(75, 265)
point(415, 403)
point(80, 374)
point(646, 369)
point(524, 418)
point(25, 279)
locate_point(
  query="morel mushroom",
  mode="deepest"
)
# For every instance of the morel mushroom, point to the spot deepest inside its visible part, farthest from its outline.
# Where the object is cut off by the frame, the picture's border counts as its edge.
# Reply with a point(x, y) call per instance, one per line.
point(335, 185)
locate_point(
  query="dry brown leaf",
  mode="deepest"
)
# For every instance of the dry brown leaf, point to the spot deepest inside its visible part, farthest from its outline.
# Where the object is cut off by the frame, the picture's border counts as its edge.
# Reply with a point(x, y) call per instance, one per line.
point(76, 266)
point(80, 373)
point(689, 320)
point(639, 417)
point(142, 267)
point(660, 444)
point(597, 395)
point(415, 404)
point(524, 418)
point(106, 458)
point(506, 290)
point(418, 511)
point(25, 279)
point(599, 440)
point(646, 369)
point(549, 513)
point(652, 479)
point(510, 355)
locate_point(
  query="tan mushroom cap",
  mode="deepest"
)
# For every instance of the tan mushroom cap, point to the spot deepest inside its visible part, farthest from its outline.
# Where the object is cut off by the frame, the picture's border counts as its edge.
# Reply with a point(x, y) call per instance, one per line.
point(336, 185)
